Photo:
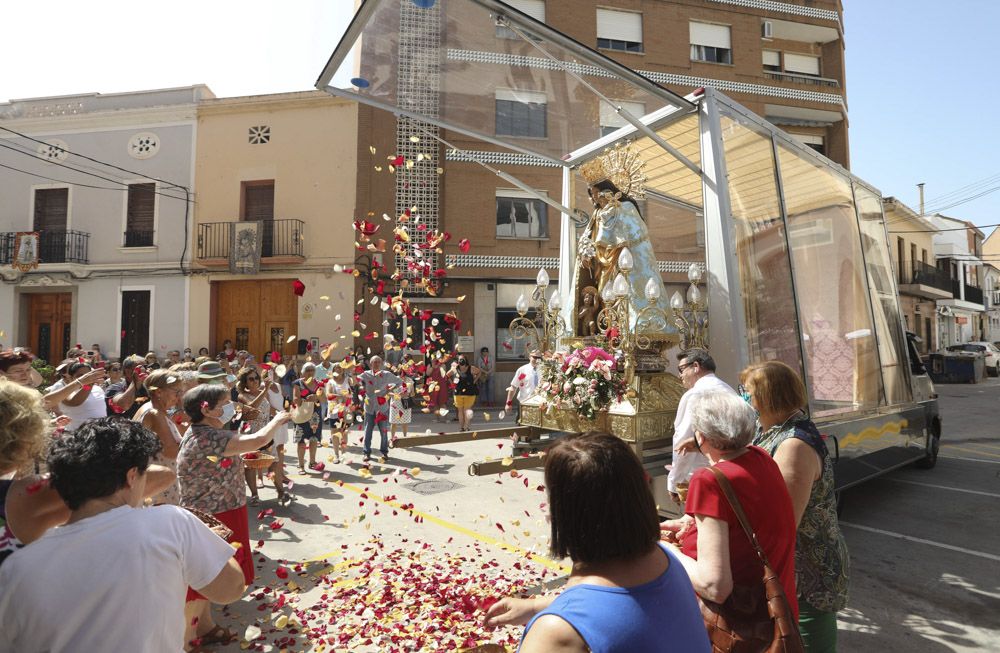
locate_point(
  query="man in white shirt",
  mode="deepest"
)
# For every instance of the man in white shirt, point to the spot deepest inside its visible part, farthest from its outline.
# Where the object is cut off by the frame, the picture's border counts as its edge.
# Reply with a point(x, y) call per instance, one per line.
point(525, 380)
point(114, 578)
point(697, 371)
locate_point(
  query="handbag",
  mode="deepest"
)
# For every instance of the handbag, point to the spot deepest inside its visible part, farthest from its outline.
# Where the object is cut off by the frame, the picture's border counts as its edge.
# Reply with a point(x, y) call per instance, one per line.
point(757, 618)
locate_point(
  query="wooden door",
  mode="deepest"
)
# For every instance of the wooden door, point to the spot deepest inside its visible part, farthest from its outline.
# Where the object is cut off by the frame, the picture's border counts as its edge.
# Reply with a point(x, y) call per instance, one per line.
point(258, 204)
point(135, 323)
point(50, 325)
point(256, 315)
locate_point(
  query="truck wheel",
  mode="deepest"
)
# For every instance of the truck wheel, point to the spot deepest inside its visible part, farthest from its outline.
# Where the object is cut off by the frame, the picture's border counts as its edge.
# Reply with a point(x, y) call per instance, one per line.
point(933, 445)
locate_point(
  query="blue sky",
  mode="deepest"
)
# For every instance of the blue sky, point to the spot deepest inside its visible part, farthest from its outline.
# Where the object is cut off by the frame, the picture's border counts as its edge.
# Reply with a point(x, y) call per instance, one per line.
point(921, 80)
point(922, 95)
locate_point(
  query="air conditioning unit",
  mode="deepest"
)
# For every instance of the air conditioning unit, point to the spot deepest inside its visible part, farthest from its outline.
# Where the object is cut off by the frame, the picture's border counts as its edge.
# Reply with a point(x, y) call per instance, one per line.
point(767, 29)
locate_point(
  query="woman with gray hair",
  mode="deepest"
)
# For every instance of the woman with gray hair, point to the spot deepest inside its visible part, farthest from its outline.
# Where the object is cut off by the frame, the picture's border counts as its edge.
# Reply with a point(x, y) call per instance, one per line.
point(713, 547)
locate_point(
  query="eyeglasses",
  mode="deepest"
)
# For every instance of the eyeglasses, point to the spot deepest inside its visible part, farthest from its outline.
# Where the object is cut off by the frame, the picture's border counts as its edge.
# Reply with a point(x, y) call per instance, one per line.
point(681, 368)
point(253, 378)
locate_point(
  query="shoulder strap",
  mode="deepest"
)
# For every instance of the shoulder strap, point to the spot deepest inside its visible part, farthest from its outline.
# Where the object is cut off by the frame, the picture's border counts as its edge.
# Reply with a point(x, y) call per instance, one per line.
point(727, 489)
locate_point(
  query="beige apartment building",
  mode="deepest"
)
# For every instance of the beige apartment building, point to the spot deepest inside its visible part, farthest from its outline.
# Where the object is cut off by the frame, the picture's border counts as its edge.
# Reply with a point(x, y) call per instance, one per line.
point(283, 166)
point(783, 60)
point(921, 282)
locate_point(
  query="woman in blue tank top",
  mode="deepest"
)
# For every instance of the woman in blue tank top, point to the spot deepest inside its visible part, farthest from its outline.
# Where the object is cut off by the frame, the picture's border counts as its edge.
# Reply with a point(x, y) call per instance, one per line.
point(626, 593)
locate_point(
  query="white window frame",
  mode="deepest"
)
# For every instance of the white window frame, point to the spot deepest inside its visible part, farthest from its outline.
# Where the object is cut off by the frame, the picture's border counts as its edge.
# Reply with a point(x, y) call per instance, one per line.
point(618, 25)
point(608, 117)
point(533, 8)
point(714, 38)
point(793, 57)
point(69, 203)
point(516, 193)
point(152, 316)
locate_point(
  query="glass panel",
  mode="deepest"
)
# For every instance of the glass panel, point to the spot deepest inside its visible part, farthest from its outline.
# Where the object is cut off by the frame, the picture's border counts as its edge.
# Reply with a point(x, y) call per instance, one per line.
point(242, 339)
point(885, 301)
point(761, 249)
point(277, 339)
point(664, 173)
point(446, 61)
point(831, 288)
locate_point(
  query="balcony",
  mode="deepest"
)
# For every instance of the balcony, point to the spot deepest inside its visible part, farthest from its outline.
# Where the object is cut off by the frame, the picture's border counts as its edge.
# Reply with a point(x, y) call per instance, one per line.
point(54, 246)
point(135, 238)
point(281, 242)
point(797, 78)
point(922, 280)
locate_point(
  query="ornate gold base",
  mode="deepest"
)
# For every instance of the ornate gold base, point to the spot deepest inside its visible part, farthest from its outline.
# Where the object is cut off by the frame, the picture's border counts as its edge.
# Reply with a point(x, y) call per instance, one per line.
point(648, 415)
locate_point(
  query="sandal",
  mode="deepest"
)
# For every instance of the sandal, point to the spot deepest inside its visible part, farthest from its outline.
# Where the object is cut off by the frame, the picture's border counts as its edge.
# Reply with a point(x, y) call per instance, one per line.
point(255, 500)
point(218, 635)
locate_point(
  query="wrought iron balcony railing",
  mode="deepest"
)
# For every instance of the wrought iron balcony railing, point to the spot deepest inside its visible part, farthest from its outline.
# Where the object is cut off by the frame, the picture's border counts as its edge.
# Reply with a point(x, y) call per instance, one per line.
point(279, 238)
point(54, 246)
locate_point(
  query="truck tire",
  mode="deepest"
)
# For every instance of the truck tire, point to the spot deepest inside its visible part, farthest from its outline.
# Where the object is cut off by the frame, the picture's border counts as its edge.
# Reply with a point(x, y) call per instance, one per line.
point(933, 445)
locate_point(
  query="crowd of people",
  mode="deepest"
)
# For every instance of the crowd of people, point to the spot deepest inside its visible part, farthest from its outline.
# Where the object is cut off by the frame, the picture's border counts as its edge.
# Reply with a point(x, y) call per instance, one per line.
point(194, 438)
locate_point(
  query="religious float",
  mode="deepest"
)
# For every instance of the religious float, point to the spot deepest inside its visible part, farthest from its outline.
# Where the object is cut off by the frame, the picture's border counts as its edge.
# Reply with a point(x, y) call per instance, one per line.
point(704, 225)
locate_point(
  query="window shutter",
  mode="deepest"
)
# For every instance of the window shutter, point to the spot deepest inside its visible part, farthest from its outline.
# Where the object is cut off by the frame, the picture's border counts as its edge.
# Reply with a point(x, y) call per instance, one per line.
point(518, 95)
point(611, 118)
point(715, 36)
point(808, 139)
point(141, 205)
point(534, 8)
point(772, 58)
point(258, 202)
point(619, 25)
point(51, 209)
point(800, 63)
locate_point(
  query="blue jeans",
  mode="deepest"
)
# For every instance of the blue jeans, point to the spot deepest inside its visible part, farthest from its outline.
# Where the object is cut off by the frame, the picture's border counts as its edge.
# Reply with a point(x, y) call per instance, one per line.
point(486, 390)
point(371, 424)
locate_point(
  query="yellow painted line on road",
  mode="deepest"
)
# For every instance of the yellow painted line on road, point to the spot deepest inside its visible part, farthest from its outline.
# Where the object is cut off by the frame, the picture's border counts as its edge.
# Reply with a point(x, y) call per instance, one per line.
point(982, 444)
point(975, 451)
point(476, 535)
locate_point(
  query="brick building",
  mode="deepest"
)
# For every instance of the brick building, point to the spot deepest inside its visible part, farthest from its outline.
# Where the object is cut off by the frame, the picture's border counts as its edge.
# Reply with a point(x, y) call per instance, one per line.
point(782, 60)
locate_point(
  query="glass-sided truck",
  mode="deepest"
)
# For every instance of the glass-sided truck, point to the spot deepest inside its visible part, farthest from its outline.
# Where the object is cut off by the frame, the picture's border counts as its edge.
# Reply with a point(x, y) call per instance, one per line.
point(794, 247)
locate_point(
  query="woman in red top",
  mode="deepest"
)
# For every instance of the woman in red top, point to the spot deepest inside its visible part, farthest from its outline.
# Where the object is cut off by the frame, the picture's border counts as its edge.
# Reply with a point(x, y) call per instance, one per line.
point(714, 548)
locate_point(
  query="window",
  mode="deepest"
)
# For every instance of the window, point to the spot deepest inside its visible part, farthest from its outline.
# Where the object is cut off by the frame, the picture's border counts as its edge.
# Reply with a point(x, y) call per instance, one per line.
point(520, 113)
point(51, 209)
point(258, 204)
point(815, 142)
point(135, 322)
point(772, 61)
point(612, 120)
point(801, 64)
point(533, 8)
point(619, 30)
point(711, 43)
point(519, 215)
point(140, 210)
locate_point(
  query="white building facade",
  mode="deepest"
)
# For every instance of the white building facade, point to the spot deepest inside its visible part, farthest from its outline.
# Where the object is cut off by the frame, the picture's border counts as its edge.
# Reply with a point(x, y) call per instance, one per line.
point(106, 181)
point(958, 251)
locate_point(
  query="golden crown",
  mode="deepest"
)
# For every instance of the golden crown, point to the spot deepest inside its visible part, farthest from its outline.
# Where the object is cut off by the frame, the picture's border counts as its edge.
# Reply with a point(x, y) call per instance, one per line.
point(622, 166)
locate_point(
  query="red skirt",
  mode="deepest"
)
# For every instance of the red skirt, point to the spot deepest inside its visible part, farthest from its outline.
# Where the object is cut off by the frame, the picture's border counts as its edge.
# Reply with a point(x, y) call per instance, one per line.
point(238, 522)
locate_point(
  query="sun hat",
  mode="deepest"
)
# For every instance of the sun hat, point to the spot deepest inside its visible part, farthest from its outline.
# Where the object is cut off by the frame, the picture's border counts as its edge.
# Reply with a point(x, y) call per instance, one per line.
point(211, 370)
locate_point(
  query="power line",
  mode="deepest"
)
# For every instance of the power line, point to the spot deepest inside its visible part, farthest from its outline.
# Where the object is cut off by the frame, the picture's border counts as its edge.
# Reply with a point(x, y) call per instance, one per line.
point(61, 164)
point(934, 231)
point(59, 181)
point(103, 163)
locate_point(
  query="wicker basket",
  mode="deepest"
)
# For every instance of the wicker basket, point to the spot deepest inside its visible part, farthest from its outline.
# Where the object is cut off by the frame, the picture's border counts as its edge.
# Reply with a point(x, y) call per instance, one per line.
point(260, 460)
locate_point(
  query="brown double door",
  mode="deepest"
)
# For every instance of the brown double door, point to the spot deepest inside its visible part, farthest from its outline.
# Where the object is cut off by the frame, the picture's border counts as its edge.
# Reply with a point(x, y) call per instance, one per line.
point(258, 316)
point(50, 325)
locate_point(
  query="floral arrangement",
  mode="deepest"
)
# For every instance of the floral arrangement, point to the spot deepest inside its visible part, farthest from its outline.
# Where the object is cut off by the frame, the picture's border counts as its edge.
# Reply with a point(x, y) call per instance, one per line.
point(584, 379)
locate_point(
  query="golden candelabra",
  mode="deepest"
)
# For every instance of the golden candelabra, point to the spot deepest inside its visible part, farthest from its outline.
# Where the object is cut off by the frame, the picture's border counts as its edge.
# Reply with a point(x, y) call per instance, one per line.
point(547, 311)
point(691, 317)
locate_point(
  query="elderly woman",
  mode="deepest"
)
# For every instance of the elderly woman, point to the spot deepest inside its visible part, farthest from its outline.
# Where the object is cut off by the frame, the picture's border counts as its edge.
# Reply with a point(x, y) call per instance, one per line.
point(822, 563)
point(164, 389)
point(15, 364)
point(210, 473)
point(626, 592)
point(714, 548)
point(87, 402)
point(339, 409)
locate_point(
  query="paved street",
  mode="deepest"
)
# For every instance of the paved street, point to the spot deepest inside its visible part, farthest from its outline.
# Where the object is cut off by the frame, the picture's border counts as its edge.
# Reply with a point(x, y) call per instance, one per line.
point(924, 545)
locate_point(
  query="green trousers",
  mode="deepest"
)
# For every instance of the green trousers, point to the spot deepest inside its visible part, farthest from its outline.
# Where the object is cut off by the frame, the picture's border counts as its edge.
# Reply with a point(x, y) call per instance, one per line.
point(818, 629)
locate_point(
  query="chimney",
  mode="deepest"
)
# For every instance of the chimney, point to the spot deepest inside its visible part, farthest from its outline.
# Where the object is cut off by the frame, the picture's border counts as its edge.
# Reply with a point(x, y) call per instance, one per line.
point(921, 187)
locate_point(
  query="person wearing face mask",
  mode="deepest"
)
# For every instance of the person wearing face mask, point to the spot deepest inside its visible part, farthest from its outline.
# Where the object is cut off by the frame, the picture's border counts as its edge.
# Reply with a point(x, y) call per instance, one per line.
point(307, 398)
point(211, 478)
point(697, 371)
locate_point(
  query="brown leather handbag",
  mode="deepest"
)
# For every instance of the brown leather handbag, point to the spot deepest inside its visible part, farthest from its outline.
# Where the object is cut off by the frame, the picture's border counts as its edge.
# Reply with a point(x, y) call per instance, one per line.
point(757, 618)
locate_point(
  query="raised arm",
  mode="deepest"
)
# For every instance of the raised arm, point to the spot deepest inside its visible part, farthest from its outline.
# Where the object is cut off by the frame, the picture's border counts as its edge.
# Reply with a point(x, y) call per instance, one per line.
point(248, 442)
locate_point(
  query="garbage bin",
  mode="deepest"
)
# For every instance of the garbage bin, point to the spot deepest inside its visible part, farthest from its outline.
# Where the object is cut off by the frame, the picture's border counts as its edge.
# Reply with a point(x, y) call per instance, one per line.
point(958, 367)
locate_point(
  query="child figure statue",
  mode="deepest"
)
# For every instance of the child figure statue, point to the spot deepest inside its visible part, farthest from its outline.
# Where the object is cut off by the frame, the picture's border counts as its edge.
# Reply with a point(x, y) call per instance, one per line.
point(587, 316)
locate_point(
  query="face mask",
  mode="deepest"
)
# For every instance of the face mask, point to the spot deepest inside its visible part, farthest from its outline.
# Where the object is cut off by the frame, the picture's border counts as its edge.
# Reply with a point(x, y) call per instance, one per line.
point(228, 412)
